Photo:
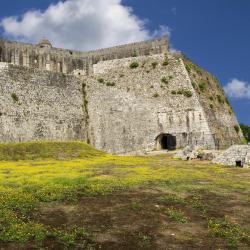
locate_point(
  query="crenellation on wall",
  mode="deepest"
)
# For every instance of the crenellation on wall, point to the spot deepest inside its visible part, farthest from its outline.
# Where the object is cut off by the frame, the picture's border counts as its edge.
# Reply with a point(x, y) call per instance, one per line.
point(45, 57)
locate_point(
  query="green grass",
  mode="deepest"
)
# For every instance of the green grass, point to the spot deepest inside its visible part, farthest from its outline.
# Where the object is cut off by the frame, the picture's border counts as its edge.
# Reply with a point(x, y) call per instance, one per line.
point(176, 215)
point(46, 150)
point(38, 173)
point(230, 231)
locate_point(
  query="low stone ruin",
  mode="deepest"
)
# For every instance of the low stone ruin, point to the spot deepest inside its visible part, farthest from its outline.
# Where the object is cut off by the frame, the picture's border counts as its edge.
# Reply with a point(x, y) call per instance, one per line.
point(236, 155)
point(196, 152)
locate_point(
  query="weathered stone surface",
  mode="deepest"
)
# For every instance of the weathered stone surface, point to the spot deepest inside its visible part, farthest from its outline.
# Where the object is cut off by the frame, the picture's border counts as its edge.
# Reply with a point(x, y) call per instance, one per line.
point(40, 105)
point(235, 153)
point(122, 100)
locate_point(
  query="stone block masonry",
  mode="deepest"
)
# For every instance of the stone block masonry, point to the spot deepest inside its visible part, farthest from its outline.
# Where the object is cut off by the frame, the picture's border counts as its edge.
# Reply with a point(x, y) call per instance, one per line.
point(126, 99)
point(40, 105)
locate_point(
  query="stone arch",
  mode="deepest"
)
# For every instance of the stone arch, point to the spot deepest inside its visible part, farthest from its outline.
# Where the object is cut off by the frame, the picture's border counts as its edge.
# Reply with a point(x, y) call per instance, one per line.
point(165, 141)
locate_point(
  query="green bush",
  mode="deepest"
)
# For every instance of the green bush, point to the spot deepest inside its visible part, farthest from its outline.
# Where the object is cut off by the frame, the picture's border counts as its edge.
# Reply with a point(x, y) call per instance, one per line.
point(188, 68)
point(220, 99)
point(154, 64)
point(173, 92)
point(187, 93)
point(202, 86)
point(134, 65)
point(165, 62)
point(164, 80)
point(246, 131)
point(156, 95)
point(110, 84)
point(194, 85)
point(237, 128)
point(100, 80)
point(14, 97)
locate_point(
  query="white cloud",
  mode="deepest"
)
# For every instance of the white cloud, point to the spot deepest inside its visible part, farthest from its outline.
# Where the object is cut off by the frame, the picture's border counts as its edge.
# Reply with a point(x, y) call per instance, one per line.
point(238, 89)
point(81, 25)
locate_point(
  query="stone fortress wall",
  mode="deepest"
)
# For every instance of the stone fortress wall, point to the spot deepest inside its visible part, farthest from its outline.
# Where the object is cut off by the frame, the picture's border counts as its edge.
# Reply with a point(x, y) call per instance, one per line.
point(56, 94)
point(44, 57)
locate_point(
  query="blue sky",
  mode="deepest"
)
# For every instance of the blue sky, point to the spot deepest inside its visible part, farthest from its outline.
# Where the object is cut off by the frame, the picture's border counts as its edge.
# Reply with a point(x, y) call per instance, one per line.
point(214, 33)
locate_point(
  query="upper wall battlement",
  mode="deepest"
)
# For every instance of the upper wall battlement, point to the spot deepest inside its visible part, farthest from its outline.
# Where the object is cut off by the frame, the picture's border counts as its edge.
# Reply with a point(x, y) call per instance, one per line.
point(45, 57)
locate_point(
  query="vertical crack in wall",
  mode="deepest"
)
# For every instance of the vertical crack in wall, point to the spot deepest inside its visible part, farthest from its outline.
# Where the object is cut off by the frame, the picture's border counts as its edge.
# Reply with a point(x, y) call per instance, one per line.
point(85, 110)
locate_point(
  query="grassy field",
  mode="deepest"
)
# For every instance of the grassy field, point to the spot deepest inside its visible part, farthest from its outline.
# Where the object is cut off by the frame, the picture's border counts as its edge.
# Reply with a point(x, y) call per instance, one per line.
point(71, 196)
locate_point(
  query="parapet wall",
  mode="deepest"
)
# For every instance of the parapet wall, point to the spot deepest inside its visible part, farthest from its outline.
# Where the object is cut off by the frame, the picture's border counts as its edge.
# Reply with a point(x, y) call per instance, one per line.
point(43, 56)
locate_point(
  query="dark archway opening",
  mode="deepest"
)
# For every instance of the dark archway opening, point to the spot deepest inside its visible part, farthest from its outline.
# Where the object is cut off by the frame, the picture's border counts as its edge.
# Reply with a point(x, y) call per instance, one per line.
point(239, 164)
point(166, 141)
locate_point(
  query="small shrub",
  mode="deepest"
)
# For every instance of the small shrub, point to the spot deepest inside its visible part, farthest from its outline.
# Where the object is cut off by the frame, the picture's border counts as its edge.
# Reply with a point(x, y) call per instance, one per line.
point(211, 106)
point(170, 77)
point(199, 71)
point(211, 98)
point(121, 75)
point(154, 64)
point(220, 99)
point(237, 128)
point(173, 92)
point(188, 68)
point(14, 97)
point(180, 92)
point(151, 86)
point(100, 80)
point(187, 93)
point(156, 95)
point(110, 84)
point(134, 65)
point(194, 85)
point(165, 62)
point(202, 86)
point(227, 101)
point(164, 80)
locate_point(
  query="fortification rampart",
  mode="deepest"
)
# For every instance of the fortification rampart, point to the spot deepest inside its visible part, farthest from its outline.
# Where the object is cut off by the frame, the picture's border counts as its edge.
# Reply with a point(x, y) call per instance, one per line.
point(43, 56)
point(126, 99)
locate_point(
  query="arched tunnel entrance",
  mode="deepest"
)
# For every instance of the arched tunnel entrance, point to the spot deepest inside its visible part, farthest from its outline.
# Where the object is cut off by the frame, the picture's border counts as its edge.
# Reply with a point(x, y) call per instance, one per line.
point(166, 142)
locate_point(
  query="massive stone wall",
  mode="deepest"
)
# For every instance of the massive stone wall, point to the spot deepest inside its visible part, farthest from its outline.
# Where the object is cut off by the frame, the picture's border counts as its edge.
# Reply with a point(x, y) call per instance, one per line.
point(221, 118)
point(40, 105)
point(121, 100)
point(128, 108)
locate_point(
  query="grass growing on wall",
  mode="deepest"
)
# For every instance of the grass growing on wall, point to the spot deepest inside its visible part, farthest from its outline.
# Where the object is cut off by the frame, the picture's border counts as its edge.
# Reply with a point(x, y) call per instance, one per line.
point(37, 177)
